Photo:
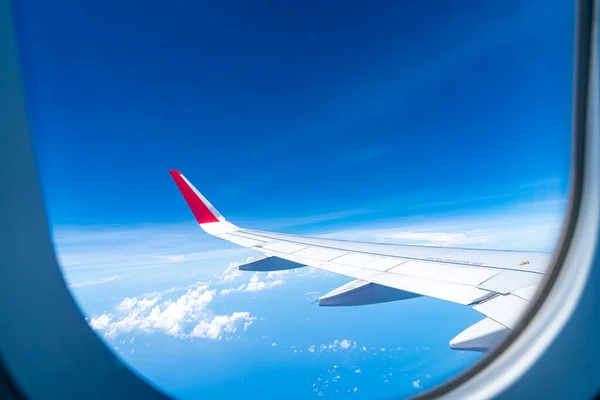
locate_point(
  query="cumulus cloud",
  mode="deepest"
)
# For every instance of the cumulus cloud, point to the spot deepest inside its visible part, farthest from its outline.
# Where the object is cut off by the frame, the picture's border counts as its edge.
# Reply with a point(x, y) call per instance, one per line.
point(280, 274)
point(232, 272)
point(95, 282)
point(311, 348)
point(221, 323)
point(101, 323)
point(174, 317)
point(151, 312)
point(357, 371)
point(255, 285)
point(225, 292)
point(417, 384)
point(129, 303)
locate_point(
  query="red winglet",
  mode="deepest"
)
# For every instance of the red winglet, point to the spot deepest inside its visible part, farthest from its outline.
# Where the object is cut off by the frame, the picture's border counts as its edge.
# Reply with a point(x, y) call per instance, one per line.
point(195, 203)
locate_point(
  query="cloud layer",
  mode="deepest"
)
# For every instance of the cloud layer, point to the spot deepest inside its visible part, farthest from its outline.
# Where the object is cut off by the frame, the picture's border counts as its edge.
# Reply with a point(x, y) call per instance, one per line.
point(189, 315)
point(255, 285)
point(151, 314)
point(94, 282)
point(524, 230)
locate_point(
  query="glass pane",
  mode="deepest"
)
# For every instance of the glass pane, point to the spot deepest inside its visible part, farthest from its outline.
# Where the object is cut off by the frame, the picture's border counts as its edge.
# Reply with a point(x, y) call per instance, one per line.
point(436, 125)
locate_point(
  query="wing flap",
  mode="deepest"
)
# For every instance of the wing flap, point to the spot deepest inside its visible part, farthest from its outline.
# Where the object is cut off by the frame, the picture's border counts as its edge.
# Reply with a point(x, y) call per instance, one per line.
point(504, 309)
point(445, 272)
point(526, 293)
point(454, 292)
point(480, 336)
point(508, 281)
point(370, 261)
point(358, 293)
point(266, 263)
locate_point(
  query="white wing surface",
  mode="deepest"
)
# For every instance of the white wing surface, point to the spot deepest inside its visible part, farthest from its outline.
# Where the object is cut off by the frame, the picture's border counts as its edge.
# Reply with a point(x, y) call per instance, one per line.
point(499, 284)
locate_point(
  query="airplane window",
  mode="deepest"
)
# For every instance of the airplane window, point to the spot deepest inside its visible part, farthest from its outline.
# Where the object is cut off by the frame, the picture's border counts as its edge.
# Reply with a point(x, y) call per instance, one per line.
point(340, 199)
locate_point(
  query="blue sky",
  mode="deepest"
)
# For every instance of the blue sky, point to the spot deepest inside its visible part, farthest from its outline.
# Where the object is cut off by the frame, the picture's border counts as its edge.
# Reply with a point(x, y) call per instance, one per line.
point(386, 121)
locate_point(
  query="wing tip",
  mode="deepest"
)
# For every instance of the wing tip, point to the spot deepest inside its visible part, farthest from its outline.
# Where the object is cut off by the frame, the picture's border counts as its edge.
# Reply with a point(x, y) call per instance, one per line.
point(199, 207)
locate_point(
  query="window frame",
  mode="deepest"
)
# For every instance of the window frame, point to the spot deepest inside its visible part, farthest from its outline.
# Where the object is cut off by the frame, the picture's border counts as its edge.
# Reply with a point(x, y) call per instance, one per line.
point(79, 360)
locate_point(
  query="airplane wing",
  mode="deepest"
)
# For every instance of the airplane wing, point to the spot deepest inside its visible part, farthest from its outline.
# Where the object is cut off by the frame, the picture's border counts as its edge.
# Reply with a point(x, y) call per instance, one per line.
point(497, 283)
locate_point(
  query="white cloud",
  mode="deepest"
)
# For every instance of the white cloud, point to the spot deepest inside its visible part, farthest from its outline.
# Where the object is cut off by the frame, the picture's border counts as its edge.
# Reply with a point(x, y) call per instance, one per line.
point(127, 304)
point(95, 281)
point(417, 384)
point(279, 274)
point(225, 292)
point(337, 344)
point(221, 323)
point(172, 316)
point(145, 303)
point(101, 323)
point(232, 272)
point(357, 371)
point(273, 344)
point(311, 348)
point(255, 285)
point(248, 323)
point(355, 390)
